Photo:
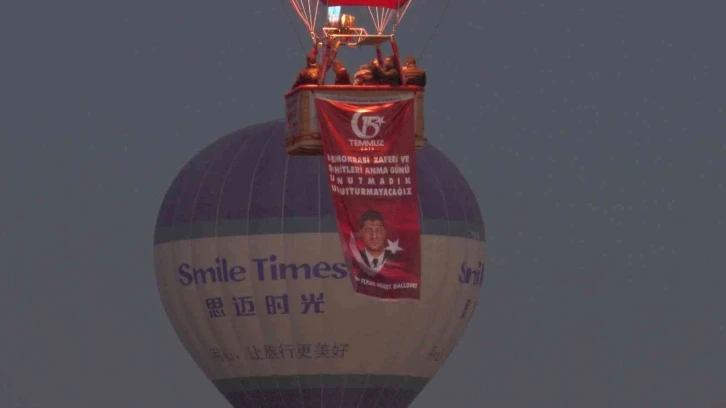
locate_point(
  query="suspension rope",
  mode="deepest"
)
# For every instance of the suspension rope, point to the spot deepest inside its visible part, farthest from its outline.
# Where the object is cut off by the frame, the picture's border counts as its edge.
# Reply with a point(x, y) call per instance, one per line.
point(382, 16)
point(376, 17)
point(400, 14)
point(436, 27)
point(315, 15)
point(387, 19)
point(292, 24)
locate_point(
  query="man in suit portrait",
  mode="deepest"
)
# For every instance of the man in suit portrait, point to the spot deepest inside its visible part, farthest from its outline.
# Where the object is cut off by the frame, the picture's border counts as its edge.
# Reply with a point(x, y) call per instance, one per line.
point(380, 259)
point(375, 238)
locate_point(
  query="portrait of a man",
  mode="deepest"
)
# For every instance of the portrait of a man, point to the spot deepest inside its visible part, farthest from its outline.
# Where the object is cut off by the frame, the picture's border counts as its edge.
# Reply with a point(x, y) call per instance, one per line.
point(378, 250)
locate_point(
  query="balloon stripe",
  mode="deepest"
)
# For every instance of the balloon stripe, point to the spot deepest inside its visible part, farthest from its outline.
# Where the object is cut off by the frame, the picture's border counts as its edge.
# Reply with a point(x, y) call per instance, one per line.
point(241, 394)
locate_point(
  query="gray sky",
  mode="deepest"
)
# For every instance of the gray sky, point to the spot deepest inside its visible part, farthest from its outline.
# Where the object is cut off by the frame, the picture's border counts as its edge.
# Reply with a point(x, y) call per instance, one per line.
point(592, 133)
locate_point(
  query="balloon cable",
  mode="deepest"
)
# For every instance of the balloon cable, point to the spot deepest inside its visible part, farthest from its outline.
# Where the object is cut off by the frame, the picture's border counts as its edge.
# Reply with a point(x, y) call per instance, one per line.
point(436, 27)
point(292, 24)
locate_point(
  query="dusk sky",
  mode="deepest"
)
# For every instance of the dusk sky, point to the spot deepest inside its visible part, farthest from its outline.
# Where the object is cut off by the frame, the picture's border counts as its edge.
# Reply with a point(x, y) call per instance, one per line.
point(593, 134)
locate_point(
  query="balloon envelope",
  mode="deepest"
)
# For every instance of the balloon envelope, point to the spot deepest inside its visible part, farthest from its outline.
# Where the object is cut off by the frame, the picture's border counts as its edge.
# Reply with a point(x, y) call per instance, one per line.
point(391, 4)
point(251, 274)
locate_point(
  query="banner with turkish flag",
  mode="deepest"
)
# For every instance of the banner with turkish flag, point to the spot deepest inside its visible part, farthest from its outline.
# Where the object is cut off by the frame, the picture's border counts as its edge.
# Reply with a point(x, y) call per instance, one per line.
point(371, 161)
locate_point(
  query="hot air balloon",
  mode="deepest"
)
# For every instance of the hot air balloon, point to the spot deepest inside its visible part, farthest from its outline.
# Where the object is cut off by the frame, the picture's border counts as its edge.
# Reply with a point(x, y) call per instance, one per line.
point(250, 271)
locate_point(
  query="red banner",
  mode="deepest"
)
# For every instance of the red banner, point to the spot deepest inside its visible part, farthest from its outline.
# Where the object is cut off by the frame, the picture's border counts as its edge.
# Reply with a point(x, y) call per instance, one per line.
point(371, 161)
